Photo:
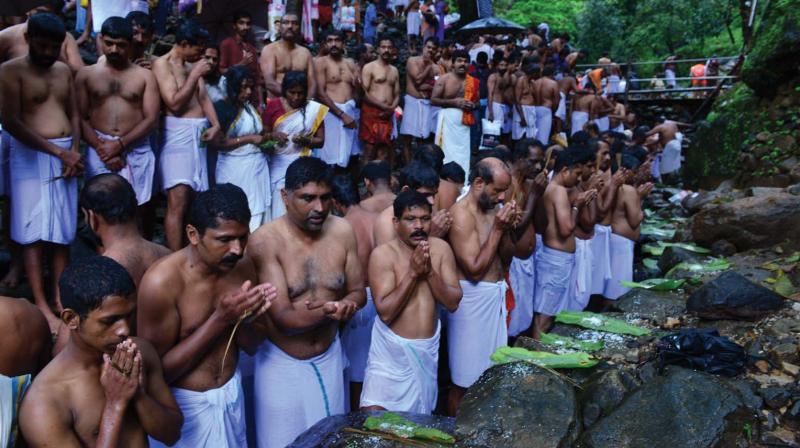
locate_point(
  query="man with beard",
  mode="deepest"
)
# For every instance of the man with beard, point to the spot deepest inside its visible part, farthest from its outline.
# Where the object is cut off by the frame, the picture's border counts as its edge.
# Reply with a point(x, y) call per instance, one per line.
point(337, 77)
point(381, 83)
point(524, 121)
point(547, 101)
point(420, 78)
point(497, 109)
point(286, 55)
point(457, 94)
point(409, 276)
point(481, 236)
point(105, 388)
point(142, 38)
point(216, 84)
point(191, 304)
point(237, 50)
point(119, 106)
point(555, 262)
point(312, 259)
point(40, 113)
point(189, 112)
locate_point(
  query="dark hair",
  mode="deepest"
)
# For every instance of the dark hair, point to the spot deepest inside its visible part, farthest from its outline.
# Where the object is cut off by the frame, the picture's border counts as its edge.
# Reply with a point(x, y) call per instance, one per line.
point(433, 39)
point(530, 69)
point(211, 45)
point(222, 201)
point(234, 78)
point(117, 28)
point(306, 170)
point(385, 37)
point(417, 175)
point(192, 33)
point(140, 19)
point(567, 159)
point(408, 200)
point(453, 172)
point(448, 43)
point(584, 154)
point(591, 126)
point(86, 282)
point(630, 162)
point(361, 50)
point(241, 14)
point(498, 152)
point(641, 131)
point(459, 54)
point(332, 32)
point(430, 154)
point(498, 56)
point(377, 171)
point(482, 57)
point(55, 5)
point(522, 149)
point(46, 26)
point(294, 79)
point(482, 170)
point(344, 191)
point(110, 196)
point(583, 51)
point(548, 70)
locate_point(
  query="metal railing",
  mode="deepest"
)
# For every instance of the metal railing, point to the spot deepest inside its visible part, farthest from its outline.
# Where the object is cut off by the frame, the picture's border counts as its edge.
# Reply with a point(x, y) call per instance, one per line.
point(676, 61)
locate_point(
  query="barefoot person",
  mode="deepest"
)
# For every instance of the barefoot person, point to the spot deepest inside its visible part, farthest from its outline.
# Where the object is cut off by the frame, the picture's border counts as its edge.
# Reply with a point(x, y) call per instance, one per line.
point(481, 240)
point(421, 72)
point(312, 259)
point(189, 122)
point(190, 304)
point(410, 276)
point(457, 95)
point(284, 56)
point(105, 388)
point(109, 204)
point(119, 106)
point(41, 115)
point(381, 83)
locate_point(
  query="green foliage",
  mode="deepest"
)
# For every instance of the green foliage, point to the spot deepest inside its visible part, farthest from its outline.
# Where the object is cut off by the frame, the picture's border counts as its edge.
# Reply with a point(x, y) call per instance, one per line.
point(655, 284)
point(559, 14)
point(394, 424)
point(574, 360)
point(599, 322)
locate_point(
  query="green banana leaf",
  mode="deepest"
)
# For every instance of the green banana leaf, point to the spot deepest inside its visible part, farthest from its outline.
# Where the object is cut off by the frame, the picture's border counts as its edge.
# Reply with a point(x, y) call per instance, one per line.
point(653, 249)
point(658, 248)
point(655, 284)
point(650, 263)
point(570, 343)
point(649, 229)
point(576, 360)
point(783, 286)
point(712, 265)
point(394, 424)
point(599, 322)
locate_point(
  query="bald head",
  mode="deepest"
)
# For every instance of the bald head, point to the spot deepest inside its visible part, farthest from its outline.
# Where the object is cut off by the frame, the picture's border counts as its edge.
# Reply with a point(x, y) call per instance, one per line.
point(490, 169)
point(489, 180)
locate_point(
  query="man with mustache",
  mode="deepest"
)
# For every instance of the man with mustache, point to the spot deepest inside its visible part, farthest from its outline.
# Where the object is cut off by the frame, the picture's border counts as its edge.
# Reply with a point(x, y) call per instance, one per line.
point(421, 72)
point(142, 25)
point(482, 240)
point(196, 306)
point(312, 259)
point(119, 106)
point(40, 113)
point(455, 116)
point(409, 277)
point(286, 55)
point(381, 83)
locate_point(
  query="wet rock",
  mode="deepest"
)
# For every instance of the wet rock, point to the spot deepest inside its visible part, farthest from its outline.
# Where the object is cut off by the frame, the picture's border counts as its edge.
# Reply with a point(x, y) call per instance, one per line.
point(785, 143)
point(777, 40)
point(518, 405)
point(780, 437)
point(653, 305)
point(763, 136)
point(731, 296)
point(723, 248)
point(680, 408)
point(673, 255)
point(794, 189)
point(747, 392)
point(701, 199)
point(603, 392)
point(762, 191)
point(753, 222)
point(775, 397)
point(792, 416)
point(787, 352)
point(329, 432)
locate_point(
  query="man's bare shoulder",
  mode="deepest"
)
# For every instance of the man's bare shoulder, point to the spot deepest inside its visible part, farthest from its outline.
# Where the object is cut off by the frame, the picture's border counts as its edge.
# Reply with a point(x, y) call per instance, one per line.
point(149, 353)
point(339, 227)
point(461, 213)
point(165, 274)
point(370, 66)
point(439, 245)
point(383, 252)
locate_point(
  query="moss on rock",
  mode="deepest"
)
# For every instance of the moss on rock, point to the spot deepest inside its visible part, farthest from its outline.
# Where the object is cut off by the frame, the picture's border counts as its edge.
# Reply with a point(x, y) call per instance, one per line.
point(772, 61)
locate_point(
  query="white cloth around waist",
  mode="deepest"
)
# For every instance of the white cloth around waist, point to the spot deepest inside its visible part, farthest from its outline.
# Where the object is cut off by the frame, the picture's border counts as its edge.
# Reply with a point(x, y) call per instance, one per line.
point(579, 119)
point(339, 140)
point(416, 120)
point(521, 273)
point(582, 287)
point(356, 337)
point(517, 130)
point(454, 137)
point(500, 112)
point(139, 169)
point(671, 158)
point(621, 262)
point(182, 160)
point(601, 263)
point(554, 278)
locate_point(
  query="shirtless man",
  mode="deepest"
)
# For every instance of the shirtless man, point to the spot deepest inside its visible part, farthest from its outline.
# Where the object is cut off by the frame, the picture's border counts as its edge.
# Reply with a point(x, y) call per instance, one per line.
point(451, 182)
point(445, 60)
point(573, 58)
point(119, 106)
point(312, 259)
point(190, 304)
point(556, 261)
point(524, 120)
point(188, 115)
point(481, 236)
point(606, 198)
point(142, 25)
point(381, 83)
point(410, 275)
point(105, 388)
point(600, 108)
point(669, 139)
point(567, 86)
point(548, 97)
point(109, 204)
point(618, 115)
point(39, 111)
point(25, 348)
point(286, 55)
point(338, 77)
point(497, 109)
point(377, 177)
point(581, 108)
point(421, 72)
point(452, 135)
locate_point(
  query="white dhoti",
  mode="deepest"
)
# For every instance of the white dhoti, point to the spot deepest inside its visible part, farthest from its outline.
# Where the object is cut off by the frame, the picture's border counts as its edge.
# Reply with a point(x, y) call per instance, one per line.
point(578, 120)
point(183, 158)
point(5, 153)
point(416, 117)
point(671, 157)
point(213, 418)
point(521, 274)
point(529, 130)
point(250, 172)
point(139, 169)
point(601, 263)
point(544, 122)
point(669, 75)
point(291, 395)
point(561, 112)
point(555, 273)
point(619, 128)
point(44, 207)
point(500, 112)
point(582, 286)
point(401, 373)
point(413, 23)
point(621, 262)
point(602, 123)
point(12, 389)
point(476, 329)
point(356, 338)
point(339, 140)
point(278, 164)
point(453, 137)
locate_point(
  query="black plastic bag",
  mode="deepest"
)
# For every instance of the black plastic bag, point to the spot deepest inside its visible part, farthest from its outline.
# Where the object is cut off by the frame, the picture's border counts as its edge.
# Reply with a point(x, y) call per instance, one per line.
point(702, 350)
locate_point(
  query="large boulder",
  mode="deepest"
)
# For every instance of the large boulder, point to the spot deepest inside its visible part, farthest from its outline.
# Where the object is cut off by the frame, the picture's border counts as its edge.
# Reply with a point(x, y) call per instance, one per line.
point(655, 306)
point(518, 405)
point(776, 42)
point(752, 222)
point(732, 296)
point(682, 408)
point(604, 391)
point(673, 255)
